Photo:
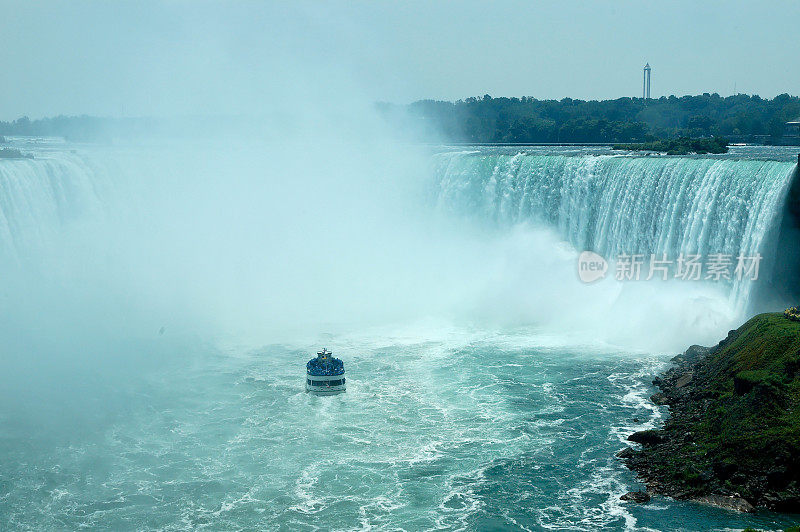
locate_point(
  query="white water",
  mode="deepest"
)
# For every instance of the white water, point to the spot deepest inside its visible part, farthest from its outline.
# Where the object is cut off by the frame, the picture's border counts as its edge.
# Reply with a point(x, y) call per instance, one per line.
point(619, 204)
point(497, 402)
point(40, 198)
point(242, 239)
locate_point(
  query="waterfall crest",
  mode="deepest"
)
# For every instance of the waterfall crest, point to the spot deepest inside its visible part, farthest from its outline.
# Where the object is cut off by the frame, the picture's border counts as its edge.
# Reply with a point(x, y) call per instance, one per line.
point(41, 197)
point(620, 204)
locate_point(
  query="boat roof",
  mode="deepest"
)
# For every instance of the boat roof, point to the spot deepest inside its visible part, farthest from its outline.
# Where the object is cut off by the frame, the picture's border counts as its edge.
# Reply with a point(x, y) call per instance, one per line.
point(332, 366)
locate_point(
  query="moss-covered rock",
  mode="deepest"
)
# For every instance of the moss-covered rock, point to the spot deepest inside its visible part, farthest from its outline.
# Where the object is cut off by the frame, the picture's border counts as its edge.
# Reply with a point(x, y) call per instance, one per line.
point(734, 425)
point(679, 146)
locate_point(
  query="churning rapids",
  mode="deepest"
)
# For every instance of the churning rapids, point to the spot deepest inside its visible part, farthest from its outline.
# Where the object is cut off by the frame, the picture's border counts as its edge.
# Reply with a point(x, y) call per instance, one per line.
point(488, 388)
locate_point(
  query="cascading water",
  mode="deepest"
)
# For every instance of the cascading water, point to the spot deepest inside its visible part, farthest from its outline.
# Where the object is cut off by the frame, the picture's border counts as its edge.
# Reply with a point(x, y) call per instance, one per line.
point(40, 197)
point(605, 203)
point(112, 417)
point(620, 204)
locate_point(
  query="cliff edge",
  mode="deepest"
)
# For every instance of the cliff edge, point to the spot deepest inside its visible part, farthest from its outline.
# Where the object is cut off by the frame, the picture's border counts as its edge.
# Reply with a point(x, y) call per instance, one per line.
point(733, 435)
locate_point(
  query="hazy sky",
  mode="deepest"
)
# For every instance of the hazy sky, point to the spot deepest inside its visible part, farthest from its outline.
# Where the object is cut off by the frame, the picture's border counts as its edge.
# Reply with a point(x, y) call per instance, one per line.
point(176, 57)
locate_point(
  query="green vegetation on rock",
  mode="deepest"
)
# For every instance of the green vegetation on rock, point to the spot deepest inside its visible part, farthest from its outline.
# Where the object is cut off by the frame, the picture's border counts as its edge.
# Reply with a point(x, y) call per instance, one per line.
point(679, 146)
point(734, 425)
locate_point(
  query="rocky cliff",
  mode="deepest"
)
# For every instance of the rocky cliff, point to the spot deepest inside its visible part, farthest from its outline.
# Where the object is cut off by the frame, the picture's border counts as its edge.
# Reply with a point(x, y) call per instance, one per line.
point(733, 435)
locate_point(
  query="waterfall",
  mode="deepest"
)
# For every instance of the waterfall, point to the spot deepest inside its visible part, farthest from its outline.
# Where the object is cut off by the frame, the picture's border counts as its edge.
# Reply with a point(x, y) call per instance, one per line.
point(39, 198)
point(621, 204)
point(181, 219)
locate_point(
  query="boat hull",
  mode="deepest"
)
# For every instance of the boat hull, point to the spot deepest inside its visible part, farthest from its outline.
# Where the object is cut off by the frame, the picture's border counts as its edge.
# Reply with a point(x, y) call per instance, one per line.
point(325, 384)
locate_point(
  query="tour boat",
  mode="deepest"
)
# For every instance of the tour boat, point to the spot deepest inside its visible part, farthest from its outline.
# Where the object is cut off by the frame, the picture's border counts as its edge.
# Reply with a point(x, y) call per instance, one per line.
point(325, 374)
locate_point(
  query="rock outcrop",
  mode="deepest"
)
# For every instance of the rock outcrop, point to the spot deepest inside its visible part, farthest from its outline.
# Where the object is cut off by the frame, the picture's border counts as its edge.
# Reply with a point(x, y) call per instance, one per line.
point(733, 435)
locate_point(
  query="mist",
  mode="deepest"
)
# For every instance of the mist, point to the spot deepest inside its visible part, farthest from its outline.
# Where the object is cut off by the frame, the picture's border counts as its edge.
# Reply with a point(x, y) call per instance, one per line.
point(312, 218)
point(266, 201)
point(237, 185)
point(258, 242)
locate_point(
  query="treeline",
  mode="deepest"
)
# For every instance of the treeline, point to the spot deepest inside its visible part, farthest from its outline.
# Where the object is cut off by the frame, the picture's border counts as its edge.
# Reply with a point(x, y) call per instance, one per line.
point(623, 120)
point(486, 119)
point(99, 129)
point(70, 127)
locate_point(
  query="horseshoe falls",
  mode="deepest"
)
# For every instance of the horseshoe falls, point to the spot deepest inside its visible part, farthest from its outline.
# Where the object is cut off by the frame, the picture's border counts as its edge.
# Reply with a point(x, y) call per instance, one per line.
point(664, 206)
point(159, 304)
